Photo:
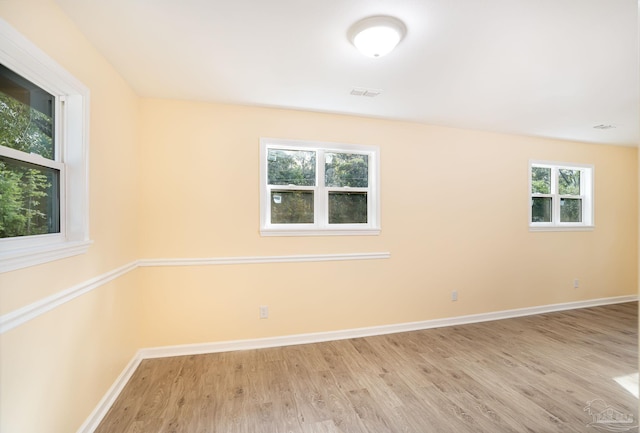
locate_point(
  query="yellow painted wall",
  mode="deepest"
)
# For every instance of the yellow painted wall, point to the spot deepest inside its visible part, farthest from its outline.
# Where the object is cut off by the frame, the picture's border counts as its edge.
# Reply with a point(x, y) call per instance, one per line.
point(55, 368)
point(454, 217)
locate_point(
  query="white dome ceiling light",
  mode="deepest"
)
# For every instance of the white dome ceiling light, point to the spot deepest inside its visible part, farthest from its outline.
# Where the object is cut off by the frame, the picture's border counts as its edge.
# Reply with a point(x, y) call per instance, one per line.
point(377, 36)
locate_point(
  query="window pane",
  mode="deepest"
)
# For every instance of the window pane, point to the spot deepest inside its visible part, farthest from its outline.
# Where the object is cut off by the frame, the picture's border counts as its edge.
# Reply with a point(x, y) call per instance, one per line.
point(291, 207)
point(569, 181)
point(570, 210)
point(541, 209)
point(29, 200)
point(26, 115)
point(346, 169)
point(291, 167)
point(540, 180)
point(347, 208)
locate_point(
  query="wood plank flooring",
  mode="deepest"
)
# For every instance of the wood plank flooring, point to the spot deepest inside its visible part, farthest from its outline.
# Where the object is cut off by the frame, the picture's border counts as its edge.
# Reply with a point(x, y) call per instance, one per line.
point(529, 374)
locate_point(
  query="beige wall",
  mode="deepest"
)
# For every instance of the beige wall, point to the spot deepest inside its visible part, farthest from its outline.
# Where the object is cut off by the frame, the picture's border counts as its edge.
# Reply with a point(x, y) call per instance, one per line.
point(55, 368)
point(454, 217)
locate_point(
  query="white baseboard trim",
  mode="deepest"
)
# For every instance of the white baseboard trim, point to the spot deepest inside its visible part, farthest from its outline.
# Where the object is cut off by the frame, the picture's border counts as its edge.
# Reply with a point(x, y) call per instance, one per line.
point(92, 422)
point(289, 340)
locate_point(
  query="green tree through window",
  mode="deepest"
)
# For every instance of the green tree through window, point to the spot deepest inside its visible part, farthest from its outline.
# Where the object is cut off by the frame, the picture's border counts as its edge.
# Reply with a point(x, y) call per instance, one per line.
point(29, 202)
point(318, 188)
point(561, 195)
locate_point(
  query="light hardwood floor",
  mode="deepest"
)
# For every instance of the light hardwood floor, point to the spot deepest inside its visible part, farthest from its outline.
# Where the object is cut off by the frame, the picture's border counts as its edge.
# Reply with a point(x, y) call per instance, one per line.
point(530, 374)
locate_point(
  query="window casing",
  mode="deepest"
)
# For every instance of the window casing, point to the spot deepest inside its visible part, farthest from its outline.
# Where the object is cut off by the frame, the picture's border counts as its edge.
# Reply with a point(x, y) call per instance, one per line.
point(55, 162)
point(309, 188)
point(560, 196)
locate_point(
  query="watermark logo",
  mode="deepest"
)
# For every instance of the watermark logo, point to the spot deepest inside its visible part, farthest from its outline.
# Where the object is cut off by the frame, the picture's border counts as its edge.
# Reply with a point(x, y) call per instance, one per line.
point(607, 418)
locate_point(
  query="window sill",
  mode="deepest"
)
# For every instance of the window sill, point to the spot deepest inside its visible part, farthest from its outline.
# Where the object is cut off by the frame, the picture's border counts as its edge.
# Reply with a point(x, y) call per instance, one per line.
point(561, 228)
point(26, 257)
point(348, 232)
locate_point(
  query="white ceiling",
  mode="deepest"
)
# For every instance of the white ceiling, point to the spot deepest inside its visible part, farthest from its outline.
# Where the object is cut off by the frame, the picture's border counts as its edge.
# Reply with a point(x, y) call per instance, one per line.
point(550, 68)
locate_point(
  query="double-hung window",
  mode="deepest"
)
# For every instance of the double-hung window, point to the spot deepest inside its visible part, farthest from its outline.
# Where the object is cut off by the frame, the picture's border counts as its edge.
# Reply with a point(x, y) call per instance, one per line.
point(30, 166)
point(43, 157)
point(561, 196)
point(318, 188)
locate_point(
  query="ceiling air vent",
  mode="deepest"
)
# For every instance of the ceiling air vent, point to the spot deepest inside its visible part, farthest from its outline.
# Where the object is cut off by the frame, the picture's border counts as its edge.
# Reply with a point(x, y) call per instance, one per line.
point(362, 91)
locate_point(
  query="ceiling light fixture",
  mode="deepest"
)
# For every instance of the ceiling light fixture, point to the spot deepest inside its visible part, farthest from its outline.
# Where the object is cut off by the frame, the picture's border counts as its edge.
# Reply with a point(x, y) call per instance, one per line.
point(377, 36)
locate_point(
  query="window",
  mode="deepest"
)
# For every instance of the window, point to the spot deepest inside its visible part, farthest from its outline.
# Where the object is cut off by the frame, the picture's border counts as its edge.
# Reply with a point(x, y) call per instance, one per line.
point(29, 166)
point(318, 188)
point(561, 196)
point(43, 187)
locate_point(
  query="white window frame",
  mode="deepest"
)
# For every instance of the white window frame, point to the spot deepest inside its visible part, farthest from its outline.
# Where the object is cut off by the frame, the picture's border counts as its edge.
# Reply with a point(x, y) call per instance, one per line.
point(320, 227)
point(72, 120)
point(587, 174)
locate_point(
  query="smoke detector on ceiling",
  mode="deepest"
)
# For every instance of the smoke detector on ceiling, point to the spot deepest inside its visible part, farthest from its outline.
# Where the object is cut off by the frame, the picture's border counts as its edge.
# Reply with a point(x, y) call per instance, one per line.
point(604, 126)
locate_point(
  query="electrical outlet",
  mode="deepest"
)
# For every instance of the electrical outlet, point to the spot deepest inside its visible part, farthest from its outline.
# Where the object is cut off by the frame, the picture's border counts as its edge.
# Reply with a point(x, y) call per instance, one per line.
point(264, 312)
point(454, 295)
point(576, 283)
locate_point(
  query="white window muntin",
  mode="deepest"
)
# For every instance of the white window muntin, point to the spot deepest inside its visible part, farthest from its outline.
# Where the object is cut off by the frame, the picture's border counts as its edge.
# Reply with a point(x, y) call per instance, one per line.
point(321, 224)
point(35, 159)
point(586, 195)
point(70, 154)
point(326, 190)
